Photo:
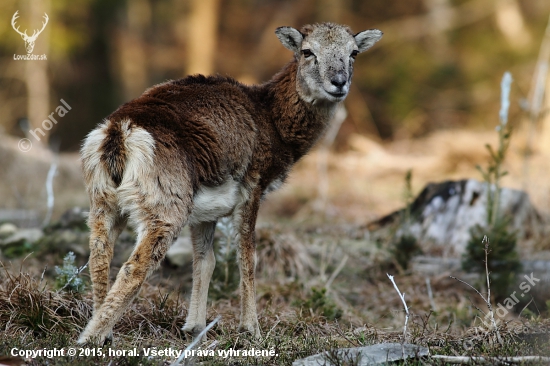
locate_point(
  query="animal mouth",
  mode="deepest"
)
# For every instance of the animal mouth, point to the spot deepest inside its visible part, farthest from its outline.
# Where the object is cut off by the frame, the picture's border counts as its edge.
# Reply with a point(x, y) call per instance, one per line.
point(337, 95)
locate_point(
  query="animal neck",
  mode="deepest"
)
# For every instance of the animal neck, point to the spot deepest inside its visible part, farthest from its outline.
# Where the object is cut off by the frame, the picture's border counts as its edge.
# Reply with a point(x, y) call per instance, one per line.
point(300, 123)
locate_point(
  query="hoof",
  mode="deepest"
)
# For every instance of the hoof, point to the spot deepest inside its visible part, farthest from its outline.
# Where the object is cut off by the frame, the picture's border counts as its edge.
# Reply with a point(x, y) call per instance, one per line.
point(108, 340)
point(193, 331)
point(93, 341)
point(253, 329)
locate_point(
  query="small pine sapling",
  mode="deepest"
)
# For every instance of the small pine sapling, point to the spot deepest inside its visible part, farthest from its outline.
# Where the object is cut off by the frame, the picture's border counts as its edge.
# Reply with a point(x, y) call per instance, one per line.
point(320, 303)
point(504, 262)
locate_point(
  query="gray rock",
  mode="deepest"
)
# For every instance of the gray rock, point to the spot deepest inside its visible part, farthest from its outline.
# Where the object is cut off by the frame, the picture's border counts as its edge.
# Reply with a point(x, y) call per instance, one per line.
point(377, 354)
point(7, 230)
point(443, 214)
point(23, 235)
point(67, 240)
point(74, 217)
point(181, 252)
point(20, 217)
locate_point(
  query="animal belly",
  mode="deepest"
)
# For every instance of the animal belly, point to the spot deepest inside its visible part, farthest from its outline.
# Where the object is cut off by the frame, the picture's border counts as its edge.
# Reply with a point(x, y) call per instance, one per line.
point(211, 203)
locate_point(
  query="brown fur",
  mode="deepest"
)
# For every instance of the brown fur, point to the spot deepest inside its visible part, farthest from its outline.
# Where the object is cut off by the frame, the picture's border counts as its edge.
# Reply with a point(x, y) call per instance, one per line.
point(221, 126)
point(156, 156)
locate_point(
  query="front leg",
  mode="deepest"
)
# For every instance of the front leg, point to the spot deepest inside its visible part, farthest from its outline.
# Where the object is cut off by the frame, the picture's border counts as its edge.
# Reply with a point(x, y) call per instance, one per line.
point(245, 223)
point(204, 262)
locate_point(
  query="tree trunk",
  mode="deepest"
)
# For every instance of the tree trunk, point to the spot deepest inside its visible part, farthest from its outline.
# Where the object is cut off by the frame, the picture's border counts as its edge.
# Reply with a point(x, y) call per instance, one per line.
point(132, 58)
point(202, 33)
point(36, 72)
point(544, 142)
point(511, 23)
point(543, 67)
point(440, 15)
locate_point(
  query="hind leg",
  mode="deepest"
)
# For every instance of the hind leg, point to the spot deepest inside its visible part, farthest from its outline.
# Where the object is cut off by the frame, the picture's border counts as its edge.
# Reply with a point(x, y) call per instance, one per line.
point(204, 262)
point(149, 182)
point(105, 224)
point(154, 240)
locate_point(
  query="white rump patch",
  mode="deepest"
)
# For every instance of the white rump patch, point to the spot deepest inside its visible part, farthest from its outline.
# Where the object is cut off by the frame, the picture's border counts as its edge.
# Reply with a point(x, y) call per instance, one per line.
point(140, 151)
point(90, 149)
point(97, 178)
point(139, 172)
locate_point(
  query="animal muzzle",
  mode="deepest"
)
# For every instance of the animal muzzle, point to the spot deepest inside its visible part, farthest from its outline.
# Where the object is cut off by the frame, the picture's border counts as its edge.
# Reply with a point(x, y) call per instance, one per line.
point(339, 80)
point(339, 85)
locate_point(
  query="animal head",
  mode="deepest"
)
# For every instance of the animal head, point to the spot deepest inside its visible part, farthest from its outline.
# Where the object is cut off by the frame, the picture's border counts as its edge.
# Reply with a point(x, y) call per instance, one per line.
point(325, 53)
point(29, 40)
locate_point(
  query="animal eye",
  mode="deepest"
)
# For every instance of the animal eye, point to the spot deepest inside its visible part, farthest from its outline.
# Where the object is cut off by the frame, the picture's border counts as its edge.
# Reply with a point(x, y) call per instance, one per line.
point(307, 53)
point(354, 54)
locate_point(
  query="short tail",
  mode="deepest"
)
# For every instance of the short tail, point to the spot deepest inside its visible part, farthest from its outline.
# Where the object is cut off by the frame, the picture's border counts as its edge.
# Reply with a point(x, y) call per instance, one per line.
point(113, 150)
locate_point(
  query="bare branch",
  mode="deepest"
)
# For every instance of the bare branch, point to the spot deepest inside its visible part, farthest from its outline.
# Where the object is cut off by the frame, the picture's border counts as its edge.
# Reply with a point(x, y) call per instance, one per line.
point(402, 296)
point(470, 286)
point(196, 341)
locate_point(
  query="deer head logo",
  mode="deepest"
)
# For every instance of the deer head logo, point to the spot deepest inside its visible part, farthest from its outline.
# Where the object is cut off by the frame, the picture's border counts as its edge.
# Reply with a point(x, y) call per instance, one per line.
point(29, 40)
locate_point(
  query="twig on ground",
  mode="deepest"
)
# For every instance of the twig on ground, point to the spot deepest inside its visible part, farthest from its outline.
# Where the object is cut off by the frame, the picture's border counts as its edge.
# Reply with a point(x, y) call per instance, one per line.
point(487, 299)
point(430, 294)
point(336, 271)
point(490, 360)
point(196, 341)
point(273, 327)
point(402, 296)
point(525, 307)
point(467, 284)
point(43, 272)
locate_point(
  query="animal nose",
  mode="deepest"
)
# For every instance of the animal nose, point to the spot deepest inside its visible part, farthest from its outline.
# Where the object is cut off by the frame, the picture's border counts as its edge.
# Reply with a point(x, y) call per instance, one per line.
point(339, 80)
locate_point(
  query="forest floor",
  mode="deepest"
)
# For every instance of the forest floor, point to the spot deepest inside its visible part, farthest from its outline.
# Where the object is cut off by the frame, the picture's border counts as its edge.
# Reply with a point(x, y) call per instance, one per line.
point(319, 288)
point(321, 283)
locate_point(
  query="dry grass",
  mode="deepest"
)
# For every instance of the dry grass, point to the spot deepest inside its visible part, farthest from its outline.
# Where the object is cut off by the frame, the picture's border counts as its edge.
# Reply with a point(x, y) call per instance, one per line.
point(282, 255)
point(27, 304)
point(33, 316)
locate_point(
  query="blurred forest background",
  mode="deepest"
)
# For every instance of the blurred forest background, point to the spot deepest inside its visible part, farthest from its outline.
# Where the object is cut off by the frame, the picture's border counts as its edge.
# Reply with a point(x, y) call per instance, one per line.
point(437, 67)
point(437, 70)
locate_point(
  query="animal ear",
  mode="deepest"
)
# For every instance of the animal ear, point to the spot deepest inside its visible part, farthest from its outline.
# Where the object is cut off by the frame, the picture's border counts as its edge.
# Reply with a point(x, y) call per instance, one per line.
point(367, 39)
point(290, 37)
